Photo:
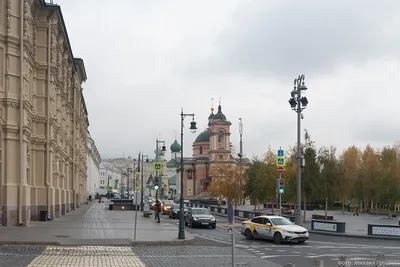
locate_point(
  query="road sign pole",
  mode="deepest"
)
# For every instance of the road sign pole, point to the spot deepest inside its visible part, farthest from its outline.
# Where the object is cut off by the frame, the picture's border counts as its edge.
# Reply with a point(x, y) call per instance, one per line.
point(280, 197)
point(231, 230)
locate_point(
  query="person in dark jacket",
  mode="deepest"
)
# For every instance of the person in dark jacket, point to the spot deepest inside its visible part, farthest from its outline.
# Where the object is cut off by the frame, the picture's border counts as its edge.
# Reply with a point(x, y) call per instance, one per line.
point(157, 211)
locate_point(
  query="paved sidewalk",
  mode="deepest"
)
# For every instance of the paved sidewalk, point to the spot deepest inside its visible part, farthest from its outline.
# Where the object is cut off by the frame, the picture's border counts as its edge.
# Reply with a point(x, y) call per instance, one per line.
point(94, 224)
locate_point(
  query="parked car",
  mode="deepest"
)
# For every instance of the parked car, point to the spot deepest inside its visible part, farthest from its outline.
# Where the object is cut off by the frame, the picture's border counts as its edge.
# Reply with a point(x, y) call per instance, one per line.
point(199, 217)
point(276, 228)
point(174, 211)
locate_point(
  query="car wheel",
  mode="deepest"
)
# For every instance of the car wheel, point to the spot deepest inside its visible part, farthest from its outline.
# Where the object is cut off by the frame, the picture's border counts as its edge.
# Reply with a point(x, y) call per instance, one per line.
point(301, 241)
point(191, 224)
point(214, 226)
point(248, 234)
point(186, 224)
point(278, 238)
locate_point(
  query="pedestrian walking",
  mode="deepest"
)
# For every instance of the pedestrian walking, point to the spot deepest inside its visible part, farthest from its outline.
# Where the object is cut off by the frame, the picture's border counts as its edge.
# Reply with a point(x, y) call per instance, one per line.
point(157, 211)
point(355, 210)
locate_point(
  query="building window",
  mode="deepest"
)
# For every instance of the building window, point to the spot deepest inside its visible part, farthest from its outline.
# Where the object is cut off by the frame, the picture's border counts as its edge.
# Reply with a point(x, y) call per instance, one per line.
point(220, 136)
point(220, 157)
point(221, 139)
point(201, 150)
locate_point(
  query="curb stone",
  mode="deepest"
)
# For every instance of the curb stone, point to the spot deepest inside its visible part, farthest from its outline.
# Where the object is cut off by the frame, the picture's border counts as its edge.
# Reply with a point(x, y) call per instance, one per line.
point(29, 243)
point(355, 236)
point(101, 242)
point(332, 234)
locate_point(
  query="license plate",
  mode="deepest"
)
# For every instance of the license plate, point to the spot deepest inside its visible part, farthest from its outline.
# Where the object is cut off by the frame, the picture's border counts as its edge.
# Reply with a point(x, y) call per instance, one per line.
point(204, 223)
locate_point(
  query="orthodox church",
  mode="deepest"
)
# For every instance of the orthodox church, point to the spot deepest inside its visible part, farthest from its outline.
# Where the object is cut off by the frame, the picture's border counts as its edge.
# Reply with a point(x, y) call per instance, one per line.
point(211, 146)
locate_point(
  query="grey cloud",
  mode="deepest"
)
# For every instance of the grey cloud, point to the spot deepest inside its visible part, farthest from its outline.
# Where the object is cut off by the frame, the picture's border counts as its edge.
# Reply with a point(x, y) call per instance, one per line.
point(306, 36)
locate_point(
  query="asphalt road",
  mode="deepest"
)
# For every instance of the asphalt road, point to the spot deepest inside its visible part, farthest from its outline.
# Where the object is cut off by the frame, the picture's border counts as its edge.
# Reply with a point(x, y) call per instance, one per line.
point(359, 251)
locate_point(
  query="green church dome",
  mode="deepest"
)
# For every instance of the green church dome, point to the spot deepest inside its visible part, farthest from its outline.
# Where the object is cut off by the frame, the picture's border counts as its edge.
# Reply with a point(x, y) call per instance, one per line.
point(175, 147)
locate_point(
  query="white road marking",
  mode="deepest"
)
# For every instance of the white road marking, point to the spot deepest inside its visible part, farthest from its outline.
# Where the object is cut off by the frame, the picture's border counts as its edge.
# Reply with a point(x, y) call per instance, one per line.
point(296, 252)
point(212, 239)
point(281, 250)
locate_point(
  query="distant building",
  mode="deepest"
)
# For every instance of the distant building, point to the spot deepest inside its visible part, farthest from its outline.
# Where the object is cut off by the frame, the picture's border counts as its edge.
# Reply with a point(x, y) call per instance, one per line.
point(93, 168)
point(212, 146)
point(123, 164)
point(109, 176)
point(173, 191)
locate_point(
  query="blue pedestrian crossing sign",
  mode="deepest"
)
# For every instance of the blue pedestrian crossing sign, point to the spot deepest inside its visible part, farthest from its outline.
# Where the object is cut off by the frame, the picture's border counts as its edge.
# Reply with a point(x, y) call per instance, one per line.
point(280, 161)
point(280, 153)
point(158, 166)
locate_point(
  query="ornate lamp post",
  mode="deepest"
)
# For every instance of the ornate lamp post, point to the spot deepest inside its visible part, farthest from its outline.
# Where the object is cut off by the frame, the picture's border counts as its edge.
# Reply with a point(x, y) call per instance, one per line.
point(157, 178)
point(181, 233)
point(298, 104)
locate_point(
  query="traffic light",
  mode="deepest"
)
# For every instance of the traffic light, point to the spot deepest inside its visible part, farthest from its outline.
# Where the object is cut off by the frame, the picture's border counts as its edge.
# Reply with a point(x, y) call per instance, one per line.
point(156, 187)
point(281, 186)
point(156, 180)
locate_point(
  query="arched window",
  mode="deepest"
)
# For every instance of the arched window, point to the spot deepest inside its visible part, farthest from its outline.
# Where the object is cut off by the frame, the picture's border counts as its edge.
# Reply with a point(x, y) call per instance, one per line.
point(220, 136)
point(201, 150)
point(221, 139)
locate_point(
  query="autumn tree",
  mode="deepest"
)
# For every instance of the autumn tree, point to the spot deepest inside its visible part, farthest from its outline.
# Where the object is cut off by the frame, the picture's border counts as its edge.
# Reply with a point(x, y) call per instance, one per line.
point(290, 176)
point(225, 181)
point(255, 174)
point(349, 166)
point(310, 172)
point(329, 173)
point(368, 175)
point(389, 173)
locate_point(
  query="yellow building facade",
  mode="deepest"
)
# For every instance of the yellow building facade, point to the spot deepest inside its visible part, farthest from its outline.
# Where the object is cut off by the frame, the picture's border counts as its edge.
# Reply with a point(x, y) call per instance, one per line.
point(43, 117)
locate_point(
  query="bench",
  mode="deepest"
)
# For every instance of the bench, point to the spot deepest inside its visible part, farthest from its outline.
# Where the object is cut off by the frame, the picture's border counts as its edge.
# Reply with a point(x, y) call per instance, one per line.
point(383, 230)
point(328, 226)
point(322, 217)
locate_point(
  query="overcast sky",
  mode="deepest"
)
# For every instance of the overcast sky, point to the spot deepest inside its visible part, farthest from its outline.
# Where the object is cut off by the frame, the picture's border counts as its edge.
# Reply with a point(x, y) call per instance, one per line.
point(147, 59)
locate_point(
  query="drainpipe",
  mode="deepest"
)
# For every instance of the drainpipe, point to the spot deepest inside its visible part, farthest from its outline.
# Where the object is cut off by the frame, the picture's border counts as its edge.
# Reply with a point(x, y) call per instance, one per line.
point(21, 115)
point(47, 182)
point(73, 152)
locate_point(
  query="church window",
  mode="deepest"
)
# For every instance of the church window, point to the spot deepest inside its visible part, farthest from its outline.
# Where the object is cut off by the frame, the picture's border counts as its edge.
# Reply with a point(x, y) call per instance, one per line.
point(220, 136)
point(201, 150)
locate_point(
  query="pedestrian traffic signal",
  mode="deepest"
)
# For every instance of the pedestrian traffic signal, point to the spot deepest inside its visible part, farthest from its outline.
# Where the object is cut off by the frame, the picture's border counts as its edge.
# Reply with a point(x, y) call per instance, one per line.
point(156, 180)
point(281, 186)
point(156, 187)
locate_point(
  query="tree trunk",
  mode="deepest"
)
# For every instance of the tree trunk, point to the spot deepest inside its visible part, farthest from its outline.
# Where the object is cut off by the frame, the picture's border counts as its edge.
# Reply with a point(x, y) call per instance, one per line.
point(388, 210)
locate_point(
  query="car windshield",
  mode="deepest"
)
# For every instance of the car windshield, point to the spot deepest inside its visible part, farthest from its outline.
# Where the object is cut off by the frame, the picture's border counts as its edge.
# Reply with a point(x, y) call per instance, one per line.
point(175, 207)
point(281, 221)
point(200, 211)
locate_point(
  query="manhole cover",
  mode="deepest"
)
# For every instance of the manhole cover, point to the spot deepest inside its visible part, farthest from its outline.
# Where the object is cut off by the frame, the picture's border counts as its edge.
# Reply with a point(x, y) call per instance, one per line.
point(63, 236)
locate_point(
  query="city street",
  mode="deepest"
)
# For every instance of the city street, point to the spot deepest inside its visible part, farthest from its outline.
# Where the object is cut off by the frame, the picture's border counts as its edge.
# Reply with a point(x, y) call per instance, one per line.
point(327, 248)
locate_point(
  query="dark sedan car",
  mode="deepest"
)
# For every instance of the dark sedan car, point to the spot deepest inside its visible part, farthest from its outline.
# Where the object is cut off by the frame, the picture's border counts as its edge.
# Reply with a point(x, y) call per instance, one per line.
point(200, 217)
point(174, 211)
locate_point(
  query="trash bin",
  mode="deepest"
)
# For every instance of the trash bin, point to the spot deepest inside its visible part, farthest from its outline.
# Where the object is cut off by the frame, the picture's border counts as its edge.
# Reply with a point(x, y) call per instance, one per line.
point(111, 206)
point(348, 208)
point(43, 215)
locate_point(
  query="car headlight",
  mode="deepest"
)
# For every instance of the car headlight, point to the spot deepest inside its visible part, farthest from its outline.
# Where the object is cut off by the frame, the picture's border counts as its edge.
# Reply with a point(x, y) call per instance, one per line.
point(175, 211)
point(195, 219)
point(212, 219)
point(289, 232)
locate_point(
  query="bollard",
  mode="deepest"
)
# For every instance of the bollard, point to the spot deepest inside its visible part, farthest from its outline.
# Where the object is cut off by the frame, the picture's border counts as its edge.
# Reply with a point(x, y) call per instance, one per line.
point(318, 263)
point(380, 260)
point(289, 265)
point(343, 261)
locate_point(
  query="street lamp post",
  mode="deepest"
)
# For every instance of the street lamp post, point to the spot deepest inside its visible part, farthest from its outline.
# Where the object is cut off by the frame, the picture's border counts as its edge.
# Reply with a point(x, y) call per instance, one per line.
point(181, 233)
point(108, 186)
point(240, 160)
point(141, 189)
point(298, 104)
point(163, 148)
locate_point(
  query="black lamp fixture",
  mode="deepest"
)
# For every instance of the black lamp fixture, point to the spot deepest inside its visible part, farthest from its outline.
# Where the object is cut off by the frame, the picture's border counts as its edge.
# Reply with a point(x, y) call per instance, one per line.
point(193, 127)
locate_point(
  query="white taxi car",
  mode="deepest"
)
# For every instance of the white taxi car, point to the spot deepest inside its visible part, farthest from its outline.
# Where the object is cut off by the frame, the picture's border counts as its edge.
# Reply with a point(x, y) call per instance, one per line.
point(276, 228)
